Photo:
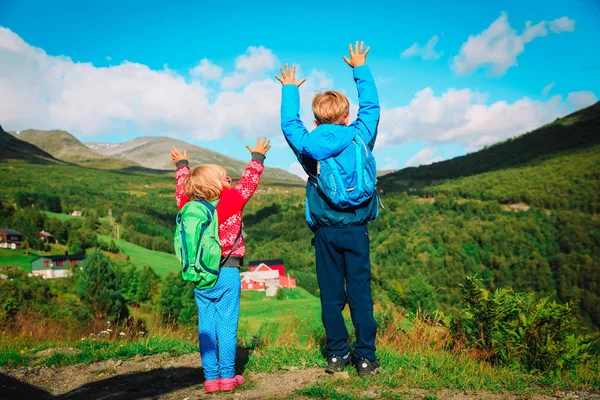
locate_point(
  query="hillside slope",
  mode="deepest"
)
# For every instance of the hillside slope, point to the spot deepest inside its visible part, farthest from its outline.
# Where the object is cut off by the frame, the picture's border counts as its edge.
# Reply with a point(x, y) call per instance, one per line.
point(575, 131)
point(14, 148)
point(64, 146)
point(154, 152)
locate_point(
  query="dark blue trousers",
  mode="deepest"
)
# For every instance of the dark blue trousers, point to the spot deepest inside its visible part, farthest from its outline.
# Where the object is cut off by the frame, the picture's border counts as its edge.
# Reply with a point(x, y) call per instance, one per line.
point(344, 273)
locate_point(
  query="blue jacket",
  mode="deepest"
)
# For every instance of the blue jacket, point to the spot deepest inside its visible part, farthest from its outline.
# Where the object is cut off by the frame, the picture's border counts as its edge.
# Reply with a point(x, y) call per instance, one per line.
point(328, 140)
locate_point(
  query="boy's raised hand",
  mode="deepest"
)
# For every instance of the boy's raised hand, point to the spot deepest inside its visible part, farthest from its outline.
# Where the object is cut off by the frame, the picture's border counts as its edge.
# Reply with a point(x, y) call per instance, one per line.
point(262, 146)
point(358, 57)
point(288, 77)
point(176, 156)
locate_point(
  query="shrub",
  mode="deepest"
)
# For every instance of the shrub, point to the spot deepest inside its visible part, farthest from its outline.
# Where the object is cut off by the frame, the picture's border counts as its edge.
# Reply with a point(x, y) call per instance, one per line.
point(518, 329)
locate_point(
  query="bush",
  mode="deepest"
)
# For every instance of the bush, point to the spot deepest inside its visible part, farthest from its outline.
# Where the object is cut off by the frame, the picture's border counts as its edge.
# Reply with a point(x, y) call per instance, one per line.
point(98, 287)
point(519, 330)
point(177, 304)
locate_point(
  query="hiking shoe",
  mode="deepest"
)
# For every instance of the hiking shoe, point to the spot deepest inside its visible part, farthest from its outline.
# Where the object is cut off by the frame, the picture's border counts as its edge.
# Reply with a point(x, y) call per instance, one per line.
point(228, 384)
point(212, 386)
point(337, 363)
point(367, 368)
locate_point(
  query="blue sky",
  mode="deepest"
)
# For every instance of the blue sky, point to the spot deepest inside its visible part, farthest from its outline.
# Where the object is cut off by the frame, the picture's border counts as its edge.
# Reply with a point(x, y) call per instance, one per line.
point(112, 71)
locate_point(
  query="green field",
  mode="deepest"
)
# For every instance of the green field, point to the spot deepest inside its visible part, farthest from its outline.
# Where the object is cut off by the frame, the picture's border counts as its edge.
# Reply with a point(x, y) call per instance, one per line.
point(60, 216)
point(17, 259)
point(161, 262)
point(257, 309)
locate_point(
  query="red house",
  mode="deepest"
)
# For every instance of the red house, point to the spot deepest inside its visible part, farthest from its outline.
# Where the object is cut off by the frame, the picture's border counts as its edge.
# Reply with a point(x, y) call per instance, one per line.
point(263, 274)
point(250, 284)
point(272, 264)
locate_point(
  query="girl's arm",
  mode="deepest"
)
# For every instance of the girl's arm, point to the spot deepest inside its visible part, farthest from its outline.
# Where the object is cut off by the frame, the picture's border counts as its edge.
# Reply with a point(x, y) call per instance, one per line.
point(183, 170)
point(233, 200)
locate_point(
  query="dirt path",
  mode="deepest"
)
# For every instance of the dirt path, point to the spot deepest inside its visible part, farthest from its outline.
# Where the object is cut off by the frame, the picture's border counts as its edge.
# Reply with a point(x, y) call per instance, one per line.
point(152, 377)
point(164, 377)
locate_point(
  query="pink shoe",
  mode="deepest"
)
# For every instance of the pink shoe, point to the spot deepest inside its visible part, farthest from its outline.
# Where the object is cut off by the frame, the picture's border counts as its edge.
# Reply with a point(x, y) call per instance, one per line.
point(231, 383)
point(213, 385)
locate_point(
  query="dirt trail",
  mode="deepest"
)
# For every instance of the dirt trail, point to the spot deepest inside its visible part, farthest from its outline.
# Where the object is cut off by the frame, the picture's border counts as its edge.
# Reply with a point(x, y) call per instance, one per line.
point(159, 376)
point(164, 377)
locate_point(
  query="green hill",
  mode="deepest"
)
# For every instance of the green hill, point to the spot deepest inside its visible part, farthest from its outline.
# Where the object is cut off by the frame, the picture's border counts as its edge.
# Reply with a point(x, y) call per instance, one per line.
point(14, 148)
point(575, 131)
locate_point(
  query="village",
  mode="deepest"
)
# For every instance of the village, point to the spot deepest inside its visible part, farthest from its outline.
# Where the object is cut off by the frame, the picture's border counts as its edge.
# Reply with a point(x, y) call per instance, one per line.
point(262, 275)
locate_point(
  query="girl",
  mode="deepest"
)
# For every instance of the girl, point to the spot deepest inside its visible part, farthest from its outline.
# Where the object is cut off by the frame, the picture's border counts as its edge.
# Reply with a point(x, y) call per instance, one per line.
point(219, 306)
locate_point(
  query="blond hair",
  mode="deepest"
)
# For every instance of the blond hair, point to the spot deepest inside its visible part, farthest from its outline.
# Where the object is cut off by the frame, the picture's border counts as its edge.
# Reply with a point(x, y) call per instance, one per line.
point(330, 107)
point(205, 182)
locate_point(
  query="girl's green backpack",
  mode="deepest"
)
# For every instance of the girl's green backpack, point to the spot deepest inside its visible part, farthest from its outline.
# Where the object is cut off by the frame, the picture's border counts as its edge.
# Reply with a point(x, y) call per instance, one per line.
point(197, 243)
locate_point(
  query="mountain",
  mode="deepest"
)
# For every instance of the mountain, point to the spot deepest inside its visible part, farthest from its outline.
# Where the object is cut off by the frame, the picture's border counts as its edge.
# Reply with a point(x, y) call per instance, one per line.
point(64, 146)
point(575, 131)
point(14, 148)
point(155, 152)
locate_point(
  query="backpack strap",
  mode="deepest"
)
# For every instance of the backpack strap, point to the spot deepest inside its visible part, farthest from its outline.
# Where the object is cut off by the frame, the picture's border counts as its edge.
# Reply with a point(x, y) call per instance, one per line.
point(235, 245)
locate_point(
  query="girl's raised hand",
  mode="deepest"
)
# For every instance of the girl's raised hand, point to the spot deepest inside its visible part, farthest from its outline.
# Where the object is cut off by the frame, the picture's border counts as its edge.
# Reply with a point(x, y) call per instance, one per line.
point(176, 156)
point(262, 146)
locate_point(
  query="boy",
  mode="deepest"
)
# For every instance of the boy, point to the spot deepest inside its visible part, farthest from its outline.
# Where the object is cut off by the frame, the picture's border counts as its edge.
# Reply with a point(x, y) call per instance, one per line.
point(341, 237)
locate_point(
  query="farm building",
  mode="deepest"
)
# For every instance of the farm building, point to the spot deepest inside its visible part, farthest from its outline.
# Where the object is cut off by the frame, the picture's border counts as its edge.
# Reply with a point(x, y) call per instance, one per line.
point(47, 237)
point(10, 239)
point(267, 275)
point(49, 267)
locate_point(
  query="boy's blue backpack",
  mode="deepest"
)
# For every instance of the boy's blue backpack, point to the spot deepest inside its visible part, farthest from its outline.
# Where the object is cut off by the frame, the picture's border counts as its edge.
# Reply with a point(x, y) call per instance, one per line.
point(348, 179)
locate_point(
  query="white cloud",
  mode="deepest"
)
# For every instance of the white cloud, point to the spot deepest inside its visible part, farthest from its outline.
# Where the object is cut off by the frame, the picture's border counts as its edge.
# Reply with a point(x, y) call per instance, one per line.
point(426, 53)
point(206, 70)
point(548, 88)
point(250, 66)
point(297, 169)
point(423, 157)
point(562, 24)
point(582, 99)
point(497, 47)
point(461, 116)
point(48, 92)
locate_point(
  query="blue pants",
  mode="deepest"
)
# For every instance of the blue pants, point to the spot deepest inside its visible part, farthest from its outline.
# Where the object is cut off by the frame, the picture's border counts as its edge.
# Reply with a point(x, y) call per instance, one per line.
point(218, 316)
point(344, 273)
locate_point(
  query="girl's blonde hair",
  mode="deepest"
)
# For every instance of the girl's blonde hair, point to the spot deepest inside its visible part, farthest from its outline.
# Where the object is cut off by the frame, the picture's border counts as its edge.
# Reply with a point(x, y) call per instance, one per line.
point(205, 182)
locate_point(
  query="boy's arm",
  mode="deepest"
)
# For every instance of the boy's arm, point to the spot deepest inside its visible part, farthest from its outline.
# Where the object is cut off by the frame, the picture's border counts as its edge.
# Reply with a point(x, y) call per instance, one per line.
point(368, 104)
point(182, 172)
point(368, 100)
point(317, 146)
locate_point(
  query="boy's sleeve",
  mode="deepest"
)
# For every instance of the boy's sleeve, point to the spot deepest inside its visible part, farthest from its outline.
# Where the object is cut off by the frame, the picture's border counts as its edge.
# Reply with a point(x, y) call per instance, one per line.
point(320, 144)
point(182, 172)
point(233, 201)
point(368, 104)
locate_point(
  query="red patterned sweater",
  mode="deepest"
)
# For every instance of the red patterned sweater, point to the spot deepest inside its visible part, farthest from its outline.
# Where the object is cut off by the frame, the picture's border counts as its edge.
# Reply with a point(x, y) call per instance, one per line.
point(230, 205)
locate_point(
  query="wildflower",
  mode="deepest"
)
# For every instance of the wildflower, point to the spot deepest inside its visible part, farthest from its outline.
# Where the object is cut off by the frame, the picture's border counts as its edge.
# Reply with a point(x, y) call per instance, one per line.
point(121, 333)
point(108, 330)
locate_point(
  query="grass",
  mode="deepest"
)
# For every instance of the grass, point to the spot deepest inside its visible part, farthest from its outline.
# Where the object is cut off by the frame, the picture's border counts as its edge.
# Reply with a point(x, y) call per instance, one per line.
point(61, 217)
point(162, 263)
point(411, 358)
point(257, 309)
point(435, 371)
point(92, 350)
point(17, 259)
